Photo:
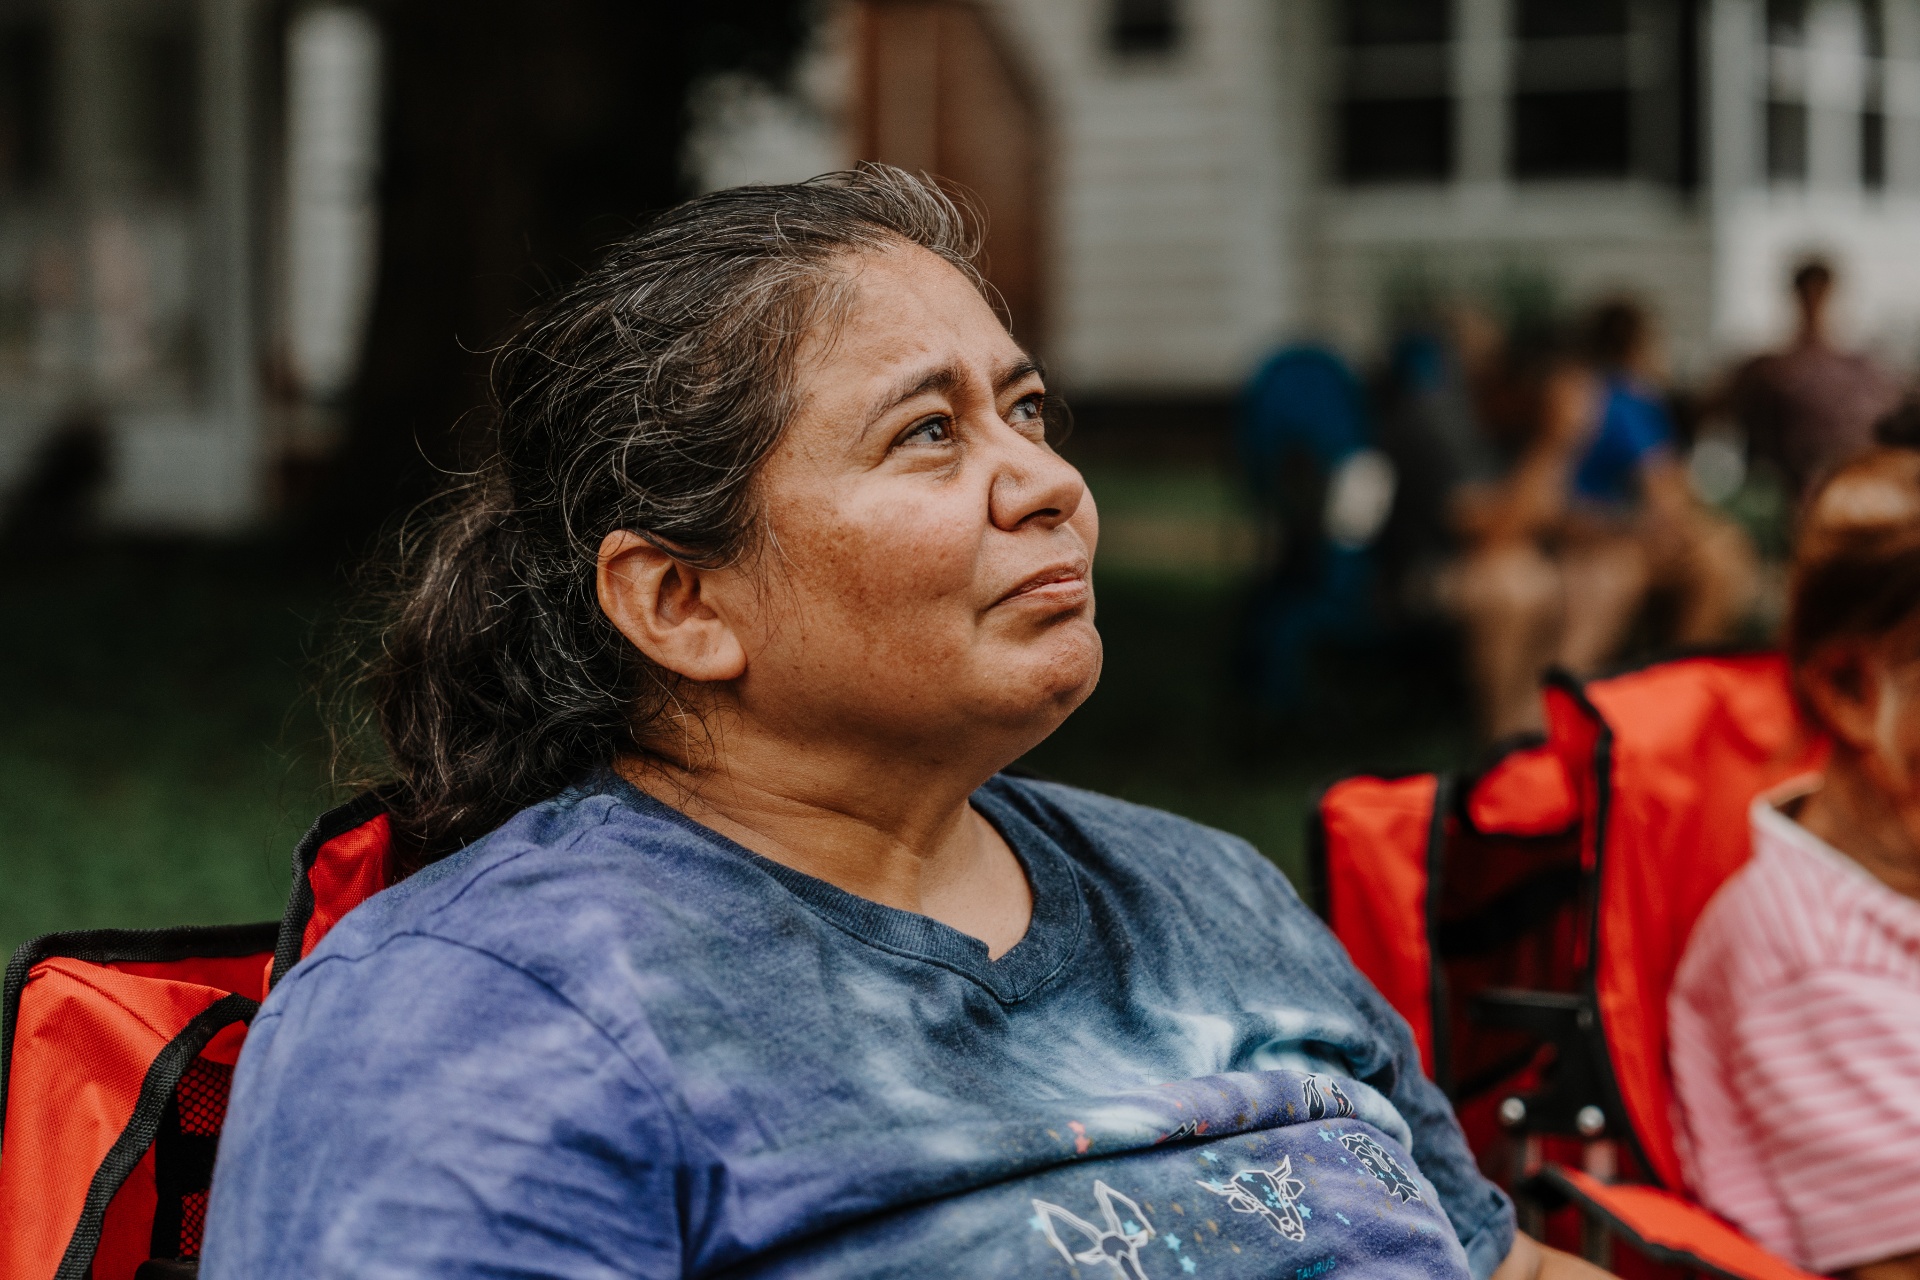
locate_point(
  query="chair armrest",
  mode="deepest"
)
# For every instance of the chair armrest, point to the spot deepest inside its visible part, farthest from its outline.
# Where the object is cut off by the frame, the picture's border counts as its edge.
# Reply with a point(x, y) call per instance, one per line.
point(1668, 1228)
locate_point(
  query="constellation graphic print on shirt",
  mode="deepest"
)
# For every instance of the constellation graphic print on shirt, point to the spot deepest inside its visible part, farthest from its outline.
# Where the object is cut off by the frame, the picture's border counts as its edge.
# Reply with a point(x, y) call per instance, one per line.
point(1381, 1164)
point(1118, 1245)
point(1317, 1105)
point(1273, 1193)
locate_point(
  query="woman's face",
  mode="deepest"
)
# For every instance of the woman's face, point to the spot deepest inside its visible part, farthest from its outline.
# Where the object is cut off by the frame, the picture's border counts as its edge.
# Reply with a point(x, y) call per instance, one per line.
point(1867, 694)
point(1894, 753)
point(927, 581)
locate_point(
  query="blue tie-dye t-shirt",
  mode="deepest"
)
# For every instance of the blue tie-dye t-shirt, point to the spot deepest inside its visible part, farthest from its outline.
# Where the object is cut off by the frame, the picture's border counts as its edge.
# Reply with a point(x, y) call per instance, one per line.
point(606, 1041)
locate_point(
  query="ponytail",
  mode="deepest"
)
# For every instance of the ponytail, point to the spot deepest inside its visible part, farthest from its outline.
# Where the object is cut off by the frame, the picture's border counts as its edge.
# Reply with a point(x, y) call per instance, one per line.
point(486, 703)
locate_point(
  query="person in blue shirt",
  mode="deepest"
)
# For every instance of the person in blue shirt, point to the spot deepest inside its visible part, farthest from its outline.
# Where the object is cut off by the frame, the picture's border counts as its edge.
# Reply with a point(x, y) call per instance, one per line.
point(1592, 516)
point(729, 947)
point(1635, 433)
point(1633, 526)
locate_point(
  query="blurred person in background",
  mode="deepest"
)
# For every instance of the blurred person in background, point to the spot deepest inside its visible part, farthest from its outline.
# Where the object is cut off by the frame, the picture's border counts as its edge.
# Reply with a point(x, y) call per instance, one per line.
point(1592, 517)
point(1430, 427)
point(1506, 586)
point(1633, 525)
point(1808, 408)
point(1795, 1013)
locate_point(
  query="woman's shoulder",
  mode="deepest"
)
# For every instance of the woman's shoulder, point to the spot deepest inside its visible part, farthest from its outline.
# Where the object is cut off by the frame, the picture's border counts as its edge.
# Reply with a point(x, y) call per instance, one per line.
point(1788, 911)
point(554, 892)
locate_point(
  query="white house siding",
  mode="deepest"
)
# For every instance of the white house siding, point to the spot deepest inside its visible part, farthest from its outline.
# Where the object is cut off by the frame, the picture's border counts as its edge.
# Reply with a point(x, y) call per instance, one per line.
point(1173, 195)
point(1759, 231)
point(1193, 225)
point(1874, 243)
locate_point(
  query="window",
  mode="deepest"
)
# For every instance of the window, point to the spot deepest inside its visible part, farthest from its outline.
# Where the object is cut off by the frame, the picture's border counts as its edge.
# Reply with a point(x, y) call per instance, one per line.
point(158, 123)
point(1873, 113)
point(1572, 102)
point(1786, 22)
point(1396, 108)
point(1787, 90)
point(1787, 141)
point(1143, 26)
point(1378, 22)
point(26, 108)
point(1598, 89)
point(1568, 19)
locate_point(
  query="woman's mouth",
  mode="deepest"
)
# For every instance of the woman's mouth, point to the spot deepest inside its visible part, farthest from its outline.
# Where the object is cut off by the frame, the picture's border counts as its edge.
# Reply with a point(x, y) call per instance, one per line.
point(1061, 584)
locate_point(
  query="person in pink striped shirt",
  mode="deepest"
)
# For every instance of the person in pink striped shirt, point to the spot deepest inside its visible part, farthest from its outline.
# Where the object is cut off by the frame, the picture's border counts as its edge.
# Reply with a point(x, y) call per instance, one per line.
point(1795, 1014)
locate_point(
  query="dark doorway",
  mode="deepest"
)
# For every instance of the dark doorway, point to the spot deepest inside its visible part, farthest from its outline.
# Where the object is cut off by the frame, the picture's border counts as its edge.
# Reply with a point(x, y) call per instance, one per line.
point(939, 93)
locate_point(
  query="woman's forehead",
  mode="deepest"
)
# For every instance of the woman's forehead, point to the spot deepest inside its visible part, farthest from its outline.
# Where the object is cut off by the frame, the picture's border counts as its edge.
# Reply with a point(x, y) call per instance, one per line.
point(907, 292)
point(910, 322)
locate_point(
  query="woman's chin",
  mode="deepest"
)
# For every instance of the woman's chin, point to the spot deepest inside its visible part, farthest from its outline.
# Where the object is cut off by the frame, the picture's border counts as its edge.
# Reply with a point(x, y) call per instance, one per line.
point(1048, 681)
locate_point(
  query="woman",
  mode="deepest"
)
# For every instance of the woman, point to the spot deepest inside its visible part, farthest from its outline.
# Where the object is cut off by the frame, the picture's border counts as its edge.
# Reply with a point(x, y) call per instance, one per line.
point(733, 951)
point(1795, 1013)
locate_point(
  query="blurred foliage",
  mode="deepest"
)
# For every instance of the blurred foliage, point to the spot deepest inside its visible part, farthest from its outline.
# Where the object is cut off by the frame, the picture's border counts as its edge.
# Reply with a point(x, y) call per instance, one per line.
point(1208, 493)
point(1172, 725)
point(1522, 293)
point(1763, 507)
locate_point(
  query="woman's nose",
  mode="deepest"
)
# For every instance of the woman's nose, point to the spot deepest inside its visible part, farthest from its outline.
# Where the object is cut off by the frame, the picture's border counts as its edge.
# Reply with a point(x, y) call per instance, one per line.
point(1033, 484)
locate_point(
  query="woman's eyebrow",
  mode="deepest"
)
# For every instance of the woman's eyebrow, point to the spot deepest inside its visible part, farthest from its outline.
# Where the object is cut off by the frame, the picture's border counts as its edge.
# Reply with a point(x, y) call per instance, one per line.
point(946, 378)
point(1025, 367)
point(949, 378)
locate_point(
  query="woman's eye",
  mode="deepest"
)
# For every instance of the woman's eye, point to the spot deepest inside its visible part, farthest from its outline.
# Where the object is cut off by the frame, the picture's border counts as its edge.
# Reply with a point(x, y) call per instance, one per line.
point(1031, 408)
point(934, 430)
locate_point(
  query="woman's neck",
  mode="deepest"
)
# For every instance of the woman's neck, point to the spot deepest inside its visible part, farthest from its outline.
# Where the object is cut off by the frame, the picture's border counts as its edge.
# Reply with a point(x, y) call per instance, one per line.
point(882, 830)
point(1856, 817)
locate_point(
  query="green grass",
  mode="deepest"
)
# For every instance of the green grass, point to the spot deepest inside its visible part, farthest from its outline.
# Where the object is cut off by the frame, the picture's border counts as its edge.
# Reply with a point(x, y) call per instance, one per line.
point(157, 757)
point(160, 755)
point(1204, 492)
point(1172, 726)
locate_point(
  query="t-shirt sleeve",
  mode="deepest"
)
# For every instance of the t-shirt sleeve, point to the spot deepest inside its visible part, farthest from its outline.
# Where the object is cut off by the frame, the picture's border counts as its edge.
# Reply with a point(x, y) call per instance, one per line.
point(1482, 1215)
point(1829, 1068)
point(430, 1109)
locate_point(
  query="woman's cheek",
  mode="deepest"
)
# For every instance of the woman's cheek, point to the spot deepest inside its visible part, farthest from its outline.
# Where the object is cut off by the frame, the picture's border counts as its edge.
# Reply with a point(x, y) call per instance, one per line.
point(921, 551)
point(1900, 747)
point(1086, 523)
point(1897, 725)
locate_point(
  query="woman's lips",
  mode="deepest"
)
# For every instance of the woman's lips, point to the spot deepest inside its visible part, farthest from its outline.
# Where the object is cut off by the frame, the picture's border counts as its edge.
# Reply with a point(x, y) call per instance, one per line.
point(1058, 585)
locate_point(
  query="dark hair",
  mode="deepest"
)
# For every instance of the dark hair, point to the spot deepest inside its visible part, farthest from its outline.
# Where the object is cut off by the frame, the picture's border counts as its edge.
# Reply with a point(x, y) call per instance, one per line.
point(1899, 428)
point(1509, 398)
point(1856, 572)
point(1615, 331)
point(1812, 273)
point(645, 397)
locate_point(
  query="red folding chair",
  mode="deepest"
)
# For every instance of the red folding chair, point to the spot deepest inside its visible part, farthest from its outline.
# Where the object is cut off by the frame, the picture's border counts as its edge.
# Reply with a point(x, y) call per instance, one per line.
point(117, 1049)
point(1527, 921)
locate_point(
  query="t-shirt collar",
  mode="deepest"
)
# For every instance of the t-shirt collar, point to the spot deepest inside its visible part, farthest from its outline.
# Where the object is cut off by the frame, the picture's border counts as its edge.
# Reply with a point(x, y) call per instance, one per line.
point(1052, 936)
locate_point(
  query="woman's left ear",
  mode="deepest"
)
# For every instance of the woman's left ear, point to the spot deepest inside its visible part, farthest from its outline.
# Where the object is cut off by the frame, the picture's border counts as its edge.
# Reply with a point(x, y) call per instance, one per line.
point(665, 609)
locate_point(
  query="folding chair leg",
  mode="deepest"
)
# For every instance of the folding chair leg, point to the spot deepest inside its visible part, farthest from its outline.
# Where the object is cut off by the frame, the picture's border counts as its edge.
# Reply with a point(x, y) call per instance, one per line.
point(1528, 1158)
point(1596, 1242)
